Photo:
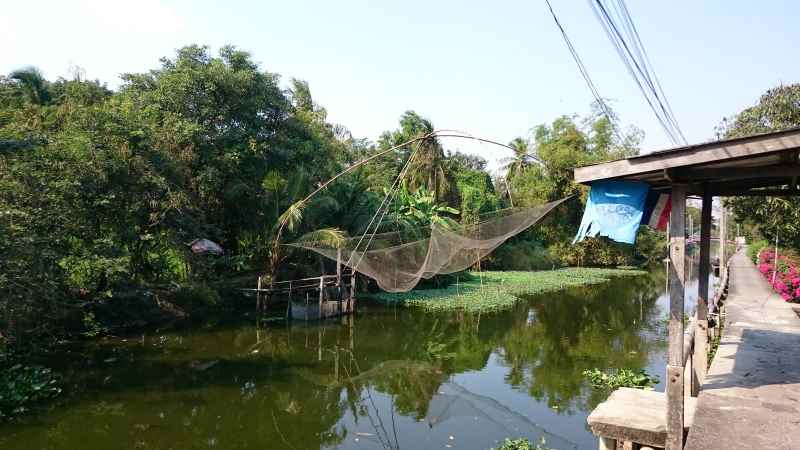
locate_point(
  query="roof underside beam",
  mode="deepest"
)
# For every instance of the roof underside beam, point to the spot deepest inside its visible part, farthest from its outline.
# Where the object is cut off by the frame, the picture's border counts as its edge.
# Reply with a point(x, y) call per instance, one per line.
point(691, 175)
point(737, 151)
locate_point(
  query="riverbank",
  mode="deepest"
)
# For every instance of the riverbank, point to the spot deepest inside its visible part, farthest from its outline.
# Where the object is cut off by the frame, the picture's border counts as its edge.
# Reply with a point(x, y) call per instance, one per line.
point(495, 291)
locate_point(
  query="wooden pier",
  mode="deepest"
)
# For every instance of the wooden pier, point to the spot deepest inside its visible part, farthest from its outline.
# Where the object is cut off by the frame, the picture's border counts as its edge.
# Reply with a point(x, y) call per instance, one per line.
point(760, 165)
point(313, 298)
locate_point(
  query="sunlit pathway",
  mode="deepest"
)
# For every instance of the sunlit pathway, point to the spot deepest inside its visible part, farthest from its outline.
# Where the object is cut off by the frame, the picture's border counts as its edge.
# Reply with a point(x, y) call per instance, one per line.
point(751, 396)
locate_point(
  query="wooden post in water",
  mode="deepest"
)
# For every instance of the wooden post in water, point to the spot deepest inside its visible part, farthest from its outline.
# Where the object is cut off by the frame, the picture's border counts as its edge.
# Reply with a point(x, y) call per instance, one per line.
point(258, 294)
point(289, 302)
point(338, 267)
point(321, 293)
point(677, 254)
point(700, 358)
point(353, 291)
point(339, 287)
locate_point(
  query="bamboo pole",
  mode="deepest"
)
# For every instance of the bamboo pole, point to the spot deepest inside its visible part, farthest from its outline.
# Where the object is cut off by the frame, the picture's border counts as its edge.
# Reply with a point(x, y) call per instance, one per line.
point(321, 294)
point(353, 292)
point(775, 261)
point(258, 294)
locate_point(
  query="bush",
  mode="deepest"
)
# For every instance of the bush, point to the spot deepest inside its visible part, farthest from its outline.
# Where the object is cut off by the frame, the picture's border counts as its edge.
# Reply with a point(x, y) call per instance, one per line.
point(522, 444)
point(197, 296)
point(755, 248)
point(594, 252)
point(523, 255)
point(638, 379)
point(23, 386)
point(785, 278)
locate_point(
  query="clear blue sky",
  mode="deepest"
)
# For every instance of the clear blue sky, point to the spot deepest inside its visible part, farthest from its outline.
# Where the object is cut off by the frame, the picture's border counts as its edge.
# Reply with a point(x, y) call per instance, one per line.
point(494, 69)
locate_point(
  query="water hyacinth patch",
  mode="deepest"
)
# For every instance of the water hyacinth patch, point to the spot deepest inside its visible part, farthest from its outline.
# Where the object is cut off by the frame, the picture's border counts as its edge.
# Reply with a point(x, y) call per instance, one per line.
point(782, 274)
point(500, 290)
point(23, 386)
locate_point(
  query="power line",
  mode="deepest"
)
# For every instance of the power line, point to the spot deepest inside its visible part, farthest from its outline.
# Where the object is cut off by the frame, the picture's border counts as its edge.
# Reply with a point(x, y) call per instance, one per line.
point(585, 74)
point(628, 44)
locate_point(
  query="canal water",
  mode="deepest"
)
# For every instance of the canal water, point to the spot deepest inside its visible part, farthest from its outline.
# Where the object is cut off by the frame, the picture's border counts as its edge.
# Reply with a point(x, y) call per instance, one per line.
point(388, 378)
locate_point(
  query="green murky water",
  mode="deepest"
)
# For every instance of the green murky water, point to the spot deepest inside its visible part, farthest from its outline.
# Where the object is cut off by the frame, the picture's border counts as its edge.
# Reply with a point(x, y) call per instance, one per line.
point(387, 378)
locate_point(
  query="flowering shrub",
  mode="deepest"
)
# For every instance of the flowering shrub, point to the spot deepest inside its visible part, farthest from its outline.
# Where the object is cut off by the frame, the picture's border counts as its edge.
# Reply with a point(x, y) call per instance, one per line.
point(787, 279)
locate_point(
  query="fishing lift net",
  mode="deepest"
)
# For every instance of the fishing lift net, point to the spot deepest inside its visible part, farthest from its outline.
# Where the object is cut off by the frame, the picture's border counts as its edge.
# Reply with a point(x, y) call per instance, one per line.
point(398, 260)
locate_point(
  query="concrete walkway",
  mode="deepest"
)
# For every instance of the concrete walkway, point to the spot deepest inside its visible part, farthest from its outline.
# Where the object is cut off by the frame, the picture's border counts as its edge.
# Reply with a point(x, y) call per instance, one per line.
point(751, 395)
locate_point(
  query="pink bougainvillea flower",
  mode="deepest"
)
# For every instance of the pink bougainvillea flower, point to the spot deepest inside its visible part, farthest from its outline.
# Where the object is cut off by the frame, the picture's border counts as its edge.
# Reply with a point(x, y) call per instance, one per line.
point(786, 296)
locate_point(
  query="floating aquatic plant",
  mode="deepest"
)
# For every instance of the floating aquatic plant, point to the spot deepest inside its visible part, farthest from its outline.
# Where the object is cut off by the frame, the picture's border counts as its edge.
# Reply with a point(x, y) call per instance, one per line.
point(495, 291)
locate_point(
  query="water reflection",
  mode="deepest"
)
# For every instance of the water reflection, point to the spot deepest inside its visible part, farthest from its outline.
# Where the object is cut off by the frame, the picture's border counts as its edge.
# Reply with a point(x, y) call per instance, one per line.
point(389, 378)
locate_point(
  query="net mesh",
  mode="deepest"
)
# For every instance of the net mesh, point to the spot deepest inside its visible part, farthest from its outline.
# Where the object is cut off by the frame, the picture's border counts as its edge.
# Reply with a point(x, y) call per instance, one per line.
point(397, 261)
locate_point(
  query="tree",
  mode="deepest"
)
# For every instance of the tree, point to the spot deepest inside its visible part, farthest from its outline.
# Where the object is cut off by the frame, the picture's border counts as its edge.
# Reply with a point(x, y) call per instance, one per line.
point(522, 159)
point(777, 109)
point(33, 84)
point(566, 143)
point(427, 169)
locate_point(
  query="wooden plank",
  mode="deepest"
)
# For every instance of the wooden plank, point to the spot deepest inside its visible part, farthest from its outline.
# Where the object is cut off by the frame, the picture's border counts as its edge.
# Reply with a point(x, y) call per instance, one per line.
point(704, 153)
point(701, 327)
point(676, 296)
point(756, 192)
point(693, 175)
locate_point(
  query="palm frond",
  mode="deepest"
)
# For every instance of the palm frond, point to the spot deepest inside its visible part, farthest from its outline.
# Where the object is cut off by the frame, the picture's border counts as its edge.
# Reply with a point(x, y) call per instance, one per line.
point(327, 237)
point(293, 216)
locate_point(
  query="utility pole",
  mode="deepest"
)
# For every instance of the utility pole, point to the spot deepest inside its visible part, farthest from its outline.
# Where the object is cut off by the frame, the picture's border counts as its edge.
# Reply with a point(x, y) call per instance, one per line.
point(722, 233)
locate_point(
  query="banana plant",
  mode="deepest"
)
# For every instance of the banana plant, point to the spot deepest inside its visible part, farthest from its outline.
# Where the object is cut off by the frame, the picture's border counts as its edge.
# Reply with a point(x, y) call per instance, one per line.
point(421, 209)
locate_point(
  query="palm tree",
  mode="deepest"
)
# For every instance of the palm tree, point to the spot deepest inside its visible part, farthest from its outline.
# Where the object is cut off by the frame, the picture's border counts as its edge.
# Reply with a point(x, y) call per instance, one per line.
point(33, 83)
point(428, 168)
point(522, 159)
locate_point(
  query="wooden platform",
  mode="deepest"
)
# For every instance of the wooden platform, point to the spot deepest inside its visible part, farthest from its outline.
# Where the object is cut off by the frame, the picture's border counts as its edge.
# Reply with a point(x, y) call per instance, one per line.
point(330, 308)
point(637, 416)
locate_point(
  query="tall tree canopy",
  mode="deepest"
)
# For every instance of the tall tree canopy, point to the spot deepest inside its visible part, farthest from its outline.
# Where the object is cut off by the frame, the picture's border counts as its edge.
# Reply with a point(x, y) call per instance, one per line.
point(777, 109)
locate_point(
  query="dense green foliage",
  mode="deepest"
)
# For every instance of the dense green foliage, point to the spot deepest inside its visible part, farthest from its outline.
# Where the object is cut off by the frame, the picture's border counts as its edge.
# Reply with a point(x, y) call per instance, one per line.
point(754, 248)
point(777, 109)
point(102, 190)
point(493, 291)
point(522, 444)
point(610, 380)
point(23, 386)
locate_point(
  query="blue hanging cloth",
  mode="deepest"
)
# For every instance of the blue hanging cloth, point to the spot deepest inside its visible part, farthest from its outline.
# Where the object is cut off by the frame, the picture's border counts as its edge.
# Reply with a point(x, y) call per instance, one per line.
point(614, 210)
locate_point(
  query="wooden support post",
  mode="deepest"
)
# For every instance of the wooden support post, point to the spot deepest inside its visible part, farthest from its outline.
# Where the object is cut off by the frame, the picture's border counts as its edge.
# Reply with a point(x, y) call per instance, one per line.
point(289, 302)
point(321, 294)
point(677, 253)
point(700, 359)
point(339, 286)
point(353, 291)
point(688, 378)
point(723, 231)
point(607, 444)
point(338, 267)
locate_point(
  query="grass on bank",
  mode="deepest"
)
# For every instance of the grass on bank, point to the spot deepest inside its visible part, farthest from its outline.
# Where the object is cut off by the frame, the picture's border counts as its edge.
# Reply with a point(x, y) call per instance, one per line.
point(500, 290)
